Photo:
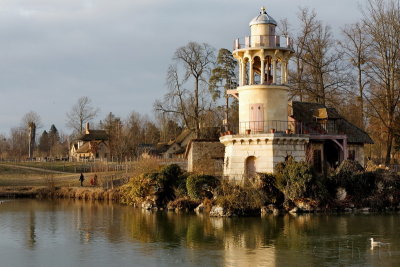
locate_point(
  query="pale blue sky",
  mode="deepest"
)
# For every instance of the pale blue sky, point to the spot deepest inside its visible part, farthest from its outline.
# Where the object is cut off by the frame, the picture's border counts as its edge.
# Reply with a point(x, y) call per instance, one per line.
point(117, 51)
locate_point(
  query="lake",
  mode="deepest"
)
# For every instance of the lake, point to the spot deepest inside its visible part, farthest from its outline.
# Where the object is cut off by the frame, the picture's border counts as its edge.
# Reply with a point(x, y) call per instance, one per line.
point(78, 233)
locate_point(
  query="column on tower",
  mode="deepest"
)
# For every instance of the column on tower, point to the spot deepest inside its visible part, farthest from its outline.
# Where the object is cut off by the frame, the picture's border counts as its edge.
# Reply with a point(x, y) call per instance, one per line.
point(251, 71)
point(274, 70)
point(268, 69)
point(285, 71)
point(244, 71)
point(262, 71)
point(240, 72)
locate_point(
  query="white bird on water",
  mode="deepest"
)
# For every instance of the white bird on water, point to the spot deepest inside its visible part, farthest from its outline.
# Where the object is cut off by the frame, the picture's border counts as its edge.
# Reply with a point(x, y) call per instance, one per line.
point(377, 244)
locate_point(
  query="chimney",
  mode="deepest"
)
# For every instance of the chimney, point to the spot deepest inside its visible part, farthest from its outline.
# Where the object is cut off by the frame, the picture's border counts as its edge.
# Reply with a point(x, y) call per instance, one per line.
point(87, 128)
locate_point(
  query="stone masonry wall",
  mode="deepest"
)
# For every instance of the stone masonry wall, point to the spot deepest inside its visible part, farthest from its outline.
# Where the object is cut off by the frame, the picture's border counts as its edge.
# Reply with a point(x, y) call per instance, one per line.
point(206, 157)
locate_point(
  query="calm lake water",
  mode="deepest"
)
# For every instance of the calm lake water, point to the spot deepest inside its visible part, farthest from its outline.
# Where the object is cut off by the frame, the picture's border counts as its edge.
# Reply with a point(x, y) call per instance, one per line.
point(77, 233)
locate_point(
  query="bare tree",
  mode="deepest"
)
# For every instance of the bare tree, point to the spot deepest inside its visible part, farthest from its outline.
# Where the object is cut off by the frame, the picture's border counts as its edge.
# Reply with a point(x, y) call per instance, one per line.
point(382, 25)
point(307, 24)
point(4, 147)
point(81, 113)
point(18, 142)
point(169, 127)
point(354, 47)
point(117, 137)
point(177, 98)
point(318, 73)
point(31, 117)
point(196, 60)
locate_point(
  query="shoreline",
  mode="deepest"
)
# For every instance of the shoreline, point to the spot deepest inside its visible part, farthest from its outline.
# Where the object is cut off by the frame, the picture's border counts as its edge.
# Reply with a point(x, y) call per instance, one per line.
point(44, 192)
point(114, 196)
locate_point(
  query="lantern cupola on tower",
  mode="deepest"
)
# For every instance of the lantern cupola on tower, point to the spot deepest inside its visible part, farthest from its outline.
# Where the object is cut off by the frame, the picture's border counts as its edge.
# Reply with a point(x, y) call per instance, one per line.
point(263, 24)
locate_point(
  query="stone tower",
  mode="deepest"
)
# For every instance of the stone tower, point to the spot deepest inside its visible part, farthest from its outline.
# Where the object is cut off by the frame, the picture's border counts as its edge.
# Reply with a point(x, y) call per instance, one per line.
point(265, 135)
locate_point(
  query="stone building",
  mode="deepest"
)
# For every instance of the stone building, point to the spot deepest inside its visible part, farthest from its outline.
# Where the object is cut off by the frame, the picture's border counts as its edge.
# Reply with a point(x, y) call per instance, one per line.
point(268, 133)
point(331, 137)
point(205, 156)
point(172, 149)
point(92, 145)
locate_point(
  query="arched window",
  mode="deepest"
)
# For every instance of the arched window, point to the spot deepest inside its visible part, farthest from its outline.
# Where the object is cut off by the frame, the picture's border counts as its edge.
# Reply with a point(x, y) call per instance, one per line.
point(257, 70)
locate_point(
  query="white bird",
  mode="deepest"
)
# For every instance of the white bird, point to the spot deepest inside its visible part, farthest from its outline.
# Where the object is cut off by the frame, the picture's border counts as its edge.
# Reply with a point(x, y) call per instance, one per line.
point(377, 244)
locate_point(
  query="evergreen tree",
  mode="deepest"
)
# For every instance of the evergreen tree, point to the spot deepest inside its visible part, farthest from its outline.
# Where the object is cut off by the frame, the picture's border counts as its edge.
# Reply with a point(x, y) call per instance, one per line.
point(223, 76)
point(54, 136)
point(44, 143)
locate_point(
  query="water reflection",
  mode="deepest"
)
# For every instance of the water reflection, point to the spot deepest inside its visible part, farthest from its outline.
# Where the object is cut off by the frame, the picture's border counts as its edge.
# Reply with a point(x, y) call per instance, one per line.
point(75, 232)
point(31, 239)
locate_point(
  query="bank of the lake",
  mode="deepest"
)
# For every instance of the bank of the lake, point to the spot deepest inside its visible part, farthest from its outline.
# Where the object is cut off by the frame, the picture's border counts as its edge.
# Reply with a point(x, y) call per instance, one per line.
point(45, 192)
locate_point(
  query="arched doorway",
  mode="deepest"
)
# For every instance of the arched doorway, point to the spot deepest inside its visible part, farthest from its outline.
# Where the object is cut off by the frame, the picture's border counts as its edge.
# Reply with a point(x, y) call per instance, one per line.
point(251, 167)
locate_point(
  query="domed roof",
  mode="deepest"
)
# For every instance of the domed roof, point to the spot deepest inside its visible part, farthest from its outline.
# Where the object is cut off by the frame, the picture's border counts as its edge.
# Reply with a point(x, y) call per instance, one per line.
point(263, 18)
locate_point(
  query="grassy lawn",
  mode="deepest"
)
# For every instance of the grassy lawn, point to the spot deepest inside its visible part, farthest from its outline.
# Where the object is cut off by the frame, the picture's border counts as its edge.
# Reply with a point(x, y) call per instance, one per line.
point(14, 176)
point(63, 173)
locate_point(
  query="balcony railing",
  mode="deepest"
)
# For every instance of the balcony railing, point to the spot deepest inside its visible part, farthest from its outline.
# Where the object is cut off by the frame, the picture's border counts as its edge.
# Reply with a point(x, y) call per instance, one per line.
point(321, 127)
point(288, 127)
point(263, 41)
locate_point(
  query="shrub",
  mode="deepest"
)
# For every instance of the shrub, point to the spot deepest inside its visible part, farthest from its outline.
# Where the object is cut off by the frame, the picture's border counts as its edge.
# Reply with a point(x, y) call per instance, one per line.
point(386, 191)
point(168, 180)
point(268, 186)
point(162, 184)
point(240, 199)
point(297, 179)
point(347, 168)
point(183, 203)
point(351, 176)
point(200, 186)
point(138, 188)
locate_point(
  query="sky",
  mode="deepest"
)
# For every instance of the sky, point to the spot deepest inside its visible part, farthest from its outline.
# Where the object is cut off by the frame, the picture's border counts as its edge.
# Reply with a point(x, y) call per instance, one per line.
point(117, 52)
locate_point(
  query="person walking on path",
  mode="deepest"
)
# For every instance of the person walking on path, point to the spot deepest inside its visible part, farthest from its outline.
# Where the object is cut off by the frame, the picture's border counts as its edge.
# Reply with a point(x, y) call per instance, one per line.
point(81, 178)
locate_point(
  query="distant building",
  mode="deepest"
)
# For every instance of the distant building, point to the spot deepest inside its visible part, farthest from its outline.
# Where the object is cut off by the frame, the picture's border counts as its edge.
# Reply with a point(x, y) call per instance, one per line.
point(92, 145)
point(173, 149)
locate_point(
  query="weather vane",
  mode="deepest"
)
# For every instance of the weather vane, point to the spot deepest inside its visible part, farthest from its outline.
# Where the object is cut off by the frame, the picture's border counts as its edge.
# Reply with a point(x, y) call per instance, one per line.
point(263, 10)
